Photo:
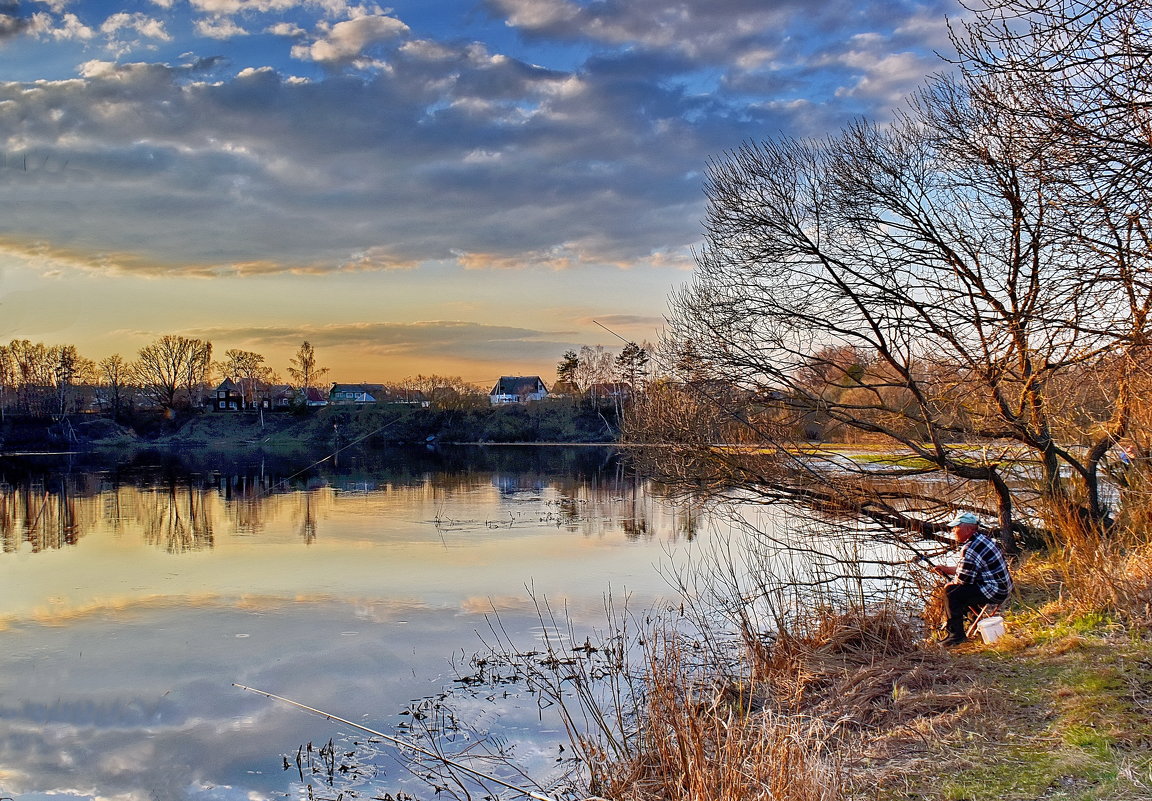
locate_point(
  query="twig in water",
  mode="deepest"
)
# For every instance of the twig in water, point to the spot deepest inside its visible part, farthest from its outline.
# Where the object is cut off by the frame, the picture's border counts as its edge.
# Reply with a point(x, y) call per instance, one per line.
point(397, 741)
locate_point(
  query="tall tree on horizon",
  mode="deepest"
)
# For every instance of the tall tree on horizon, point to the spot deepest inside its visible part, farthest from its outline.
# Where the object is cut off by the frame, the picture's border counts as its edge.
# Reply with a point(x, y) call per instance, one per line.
point(173, 364)
point(304, 369)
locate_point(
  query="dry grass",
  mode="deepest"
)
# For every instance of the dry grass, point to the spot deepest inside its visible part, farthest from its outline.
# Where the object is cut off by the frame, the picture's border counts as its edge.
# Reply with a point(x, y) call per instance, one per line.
point(828, 694)
point(706, 742)
point(1093, 571)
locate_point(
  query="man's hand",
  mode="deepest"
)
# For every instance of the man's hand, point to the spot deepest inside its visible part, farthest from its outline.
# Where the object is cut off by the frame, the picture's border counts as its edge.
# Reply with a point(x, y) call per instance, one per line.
point(944, 570)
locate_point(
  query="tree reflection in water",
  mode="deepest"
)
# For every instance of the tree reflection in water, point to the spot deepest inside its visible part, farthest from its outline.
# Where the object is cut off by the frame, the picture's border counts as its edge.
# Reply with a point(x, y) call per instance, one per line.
point(138, 592)
point(182, 503)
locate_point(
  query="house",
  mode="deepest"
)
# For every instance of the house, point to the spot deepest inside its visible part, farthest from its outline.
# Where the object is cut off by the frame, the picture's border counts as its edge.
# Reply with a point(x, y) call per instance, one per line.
point(517, 389)
point(610, 392)
point(343, 394)
point(312, 397)
point(282, 396)
point(565, 389)
point(227, 397)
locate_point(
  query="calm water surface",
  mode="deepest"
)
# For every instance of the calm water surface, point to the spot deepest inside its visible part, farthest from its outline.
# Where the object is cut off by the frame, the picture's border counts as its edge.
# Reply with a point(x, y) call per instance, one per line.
point(131, 598)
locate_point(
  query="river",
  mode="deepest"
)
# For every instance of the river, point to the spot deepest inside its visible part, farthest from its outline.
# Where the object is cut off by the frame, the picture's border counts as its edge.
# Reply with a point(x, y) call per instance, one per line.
point(134, 595)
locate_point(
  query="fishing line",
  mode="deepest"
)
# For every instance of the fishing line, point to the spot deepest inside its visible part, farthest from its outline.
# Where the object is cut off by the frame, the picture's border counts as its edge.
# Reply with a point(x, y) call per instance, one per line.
point(398, 742)
point(742, 420)
point(340, 450)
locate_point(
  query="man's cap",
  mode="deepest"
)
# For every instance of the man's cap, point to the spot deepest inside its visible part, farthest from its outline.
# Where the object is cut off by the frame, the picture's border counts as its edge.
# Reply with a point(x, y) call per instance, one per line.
point(961, 518)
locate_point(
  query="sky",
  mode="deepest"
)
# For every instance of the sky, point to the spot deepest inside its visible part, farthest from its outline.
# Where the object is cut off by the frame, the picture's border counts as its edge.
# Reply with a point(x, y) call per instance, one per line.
point(459, 187)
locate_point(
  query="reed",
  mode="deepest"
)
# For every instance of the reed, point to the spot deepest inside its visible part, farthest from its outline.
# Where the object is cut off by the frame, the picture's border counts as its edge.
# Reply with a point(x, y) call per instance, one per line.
point(792, 716)
point(1093, 569)
point(702, 741)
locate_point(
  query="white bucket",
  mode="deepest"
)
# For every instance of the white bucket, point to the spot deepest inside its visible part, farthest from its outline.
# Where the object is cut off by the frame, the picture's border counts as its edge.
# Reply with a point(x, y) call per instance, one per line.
point(991, 629)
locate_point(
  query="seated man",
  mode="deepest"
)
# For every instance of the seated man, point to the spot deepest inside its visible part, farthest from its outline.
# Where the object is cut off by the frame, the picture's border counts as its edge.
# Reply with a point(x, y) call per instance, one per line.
point(980, 578)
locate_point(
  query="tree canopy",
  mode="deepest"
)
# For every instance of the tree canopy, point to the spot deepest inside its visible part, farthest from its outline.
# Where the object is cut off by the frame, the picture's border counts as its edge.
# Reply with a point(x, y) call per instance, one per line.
point(968, 285)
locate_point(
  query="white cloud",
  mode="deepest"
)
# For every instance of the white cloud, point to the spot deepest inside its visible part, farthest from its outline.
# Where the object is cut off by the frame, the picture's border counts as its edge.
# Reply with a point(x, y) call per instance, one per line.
point(229, 7)
point(348, 40)
point(887, 78)
point(535, 14)
point(142, 24)
point(55, 6)
point(219, 28)
point(97, 69)
point(428, 50)
point(69, 27)
point(286, 29)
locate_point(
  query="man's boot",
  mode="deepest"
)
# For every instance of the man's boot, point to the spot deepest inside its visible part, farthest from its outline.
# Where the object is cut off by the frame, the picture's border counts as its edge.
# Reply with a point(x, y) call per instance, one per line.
point(956, 634)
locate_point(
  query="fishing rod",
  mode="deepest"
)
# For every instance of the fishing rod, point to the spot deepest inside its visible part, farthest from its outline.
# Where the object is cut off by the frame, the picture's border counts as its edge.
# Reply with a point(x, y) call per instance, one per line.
point(919, 557)
point(398, 742)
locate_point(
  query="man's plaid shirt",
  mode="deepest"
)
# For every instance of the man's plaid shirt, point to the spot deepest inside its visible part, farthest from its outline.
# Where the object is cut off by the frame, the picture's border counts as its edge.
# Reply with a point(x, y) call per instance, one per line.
point(982, 566)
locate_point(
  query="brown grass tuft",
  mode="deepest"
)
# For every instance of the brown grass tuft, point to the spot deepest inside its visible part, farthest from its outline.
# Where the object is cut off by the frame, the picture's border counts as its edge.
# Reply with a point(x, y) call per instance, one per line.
point(708, 741)
point(826, 694)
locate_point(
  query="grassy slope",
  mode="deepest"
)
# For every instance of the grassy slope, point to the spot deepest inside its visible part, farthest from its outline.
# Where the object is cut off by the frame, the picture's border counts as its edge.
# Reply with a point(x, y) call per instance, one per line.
point(1068, 715)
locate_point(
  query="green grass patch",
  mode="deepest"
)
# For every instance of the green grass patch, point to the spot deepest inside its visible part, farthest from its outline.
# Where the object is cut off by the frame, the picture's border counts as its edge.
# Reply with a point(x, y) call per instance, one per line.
point(1069, 715)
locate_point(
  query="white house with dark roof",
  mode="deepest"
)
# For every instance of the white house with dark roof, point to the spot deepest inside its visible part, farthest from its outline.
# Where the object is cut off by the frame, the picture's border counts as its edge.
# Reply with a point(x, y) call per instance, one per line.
point(517, 389)
point(354, 393)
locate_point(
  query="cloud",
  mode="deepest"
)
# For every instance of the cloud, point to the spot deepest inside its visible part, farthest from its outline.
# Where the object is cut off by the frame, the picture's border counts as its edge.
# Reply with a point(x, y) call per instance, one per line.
point(11, 22)
point(349, 40)
point(287, 29)
point(428, 342)
point(67, 27)
point(466, 153)
point(230, 7)
point(148, 27)
point(767, 49)
point(400, 151)
point(435, 337)
point(883, 76)
point(219, 28)
point(625, 321)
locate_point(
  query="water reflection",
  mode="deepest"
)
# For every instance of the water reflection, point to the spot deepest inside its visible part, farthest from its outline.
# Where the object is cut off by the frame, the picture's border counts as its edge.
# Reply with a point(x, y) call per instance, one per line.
point(180, 508)
point(136, 593)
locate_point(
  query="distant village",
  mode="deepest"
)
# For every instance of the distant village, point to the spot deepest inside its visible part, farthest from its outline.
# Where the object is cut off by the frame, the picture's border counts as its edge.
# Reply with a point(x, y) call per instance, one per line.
point(240, 395)
point(237, 396)
point(176, 374)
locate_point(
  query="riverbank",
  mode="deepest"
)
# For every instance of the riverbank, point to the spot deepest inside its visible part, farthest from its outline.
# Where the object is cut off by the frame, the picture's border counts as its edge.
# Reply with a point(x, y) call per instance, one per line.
point(328, 428)
point(859, 704)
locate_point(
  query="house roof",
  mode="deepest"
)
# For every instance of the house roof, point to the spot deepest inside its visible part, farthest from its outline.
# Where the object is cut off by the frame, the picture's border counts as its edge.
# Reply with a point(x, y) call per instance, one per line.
point(518, 385)
point(357, 388)
point(565, 388)
point(228, 385)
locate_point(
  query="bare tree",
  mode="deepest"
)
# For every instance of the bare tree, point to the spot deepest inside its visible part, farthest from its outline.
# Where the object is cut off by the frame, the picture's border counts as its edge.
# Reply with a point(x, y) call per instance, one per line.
point(246, 369)
point(594, 366)
point(944, 252)
point(173, 365)
point(114, 376)
point(304, 370)
point(447, 392)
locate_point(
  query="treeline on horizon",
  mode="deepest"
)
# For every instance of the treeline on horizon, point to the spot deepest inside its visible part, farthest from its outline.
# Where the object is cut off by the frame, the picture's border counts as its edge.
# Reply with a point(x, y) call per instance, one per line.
point(178, 373)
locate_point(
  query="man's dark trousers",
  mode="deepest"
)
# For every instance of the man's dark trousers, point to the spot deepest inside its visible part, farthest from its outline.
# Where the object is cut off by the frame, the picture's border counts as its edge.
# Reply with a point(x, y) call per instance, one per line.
point(961, 598)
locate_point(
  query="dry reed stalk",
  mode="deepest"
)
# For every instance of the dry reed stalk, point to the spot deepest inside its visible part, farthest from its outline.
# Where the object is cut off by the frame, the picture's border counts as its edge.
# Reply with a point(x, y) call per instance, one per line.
point(700, 742)
point(1104, 570)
